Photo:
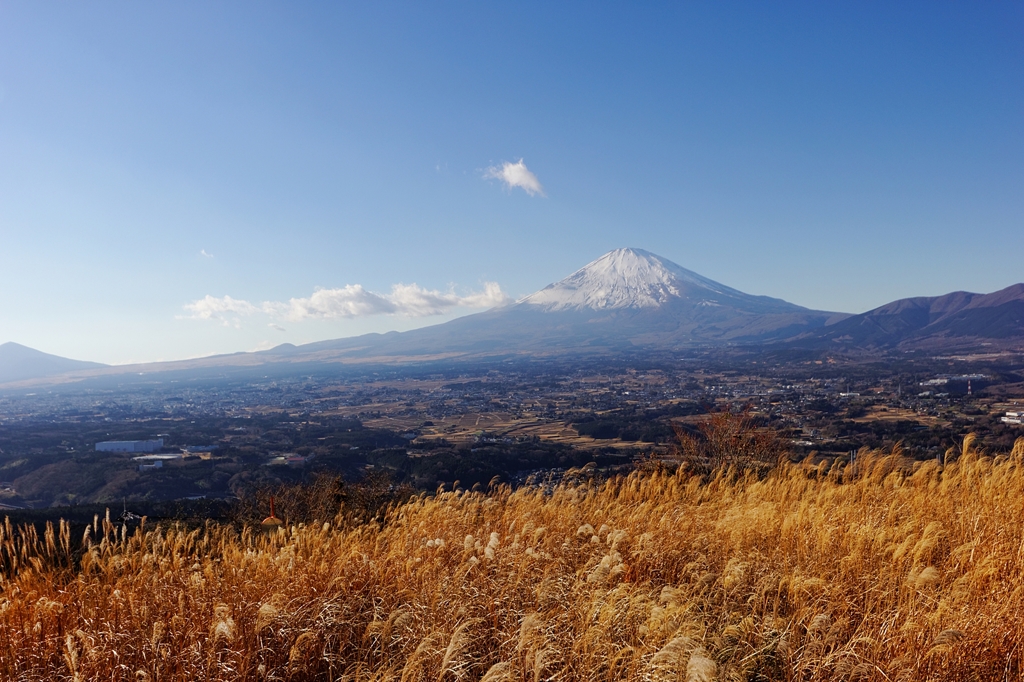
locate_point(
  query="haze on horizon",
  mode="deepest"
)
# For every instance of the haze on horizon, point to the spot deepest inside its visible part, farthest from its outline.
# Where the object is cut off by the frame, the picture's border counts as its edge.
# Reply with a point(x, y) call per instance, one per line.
point(182, 179)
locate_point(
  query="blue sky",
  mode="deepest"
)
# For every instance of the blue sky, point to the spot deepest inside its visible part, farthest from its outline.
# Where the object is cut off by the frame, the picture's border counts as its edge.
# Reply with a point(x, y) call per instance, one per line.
point(156, 158)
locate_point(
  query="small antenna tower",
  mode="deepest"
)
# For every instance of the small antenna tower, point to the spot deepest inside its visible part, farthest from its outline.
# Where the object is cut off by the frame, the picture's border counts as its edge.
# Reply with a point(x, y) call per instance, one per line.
point(272, 522)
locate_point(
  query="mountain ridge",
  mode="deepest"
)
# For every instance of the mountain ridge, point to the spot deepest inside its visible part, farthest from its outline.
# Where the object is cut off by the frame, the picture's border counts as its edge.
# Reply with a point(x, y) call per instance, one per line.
point(960, 319)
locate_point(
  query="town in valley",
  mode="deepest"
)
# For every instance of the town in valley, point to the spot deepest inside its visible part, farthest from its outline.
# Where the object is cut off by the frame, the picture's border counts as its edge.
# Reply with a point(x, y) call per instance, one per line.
point(218, 438)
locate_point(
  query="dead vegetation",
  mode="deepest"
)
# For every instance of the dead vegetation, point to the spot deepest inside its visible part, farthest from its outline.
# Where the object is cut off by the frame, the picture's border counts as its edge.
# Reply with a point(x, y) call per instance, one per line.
point(882, 573)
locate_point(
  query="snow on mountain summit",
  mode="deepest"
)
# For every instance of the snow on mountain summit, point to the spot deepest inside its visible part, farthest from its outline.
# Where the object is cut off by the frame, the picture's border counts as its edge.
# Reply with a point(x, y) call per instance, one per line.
point(628, 278)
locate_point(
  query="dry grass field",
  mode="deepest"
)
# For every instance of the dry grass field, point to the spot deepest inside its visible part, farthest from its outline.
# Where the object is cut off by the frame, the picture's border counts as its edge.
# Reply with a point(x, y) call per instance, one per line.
point(890, 572)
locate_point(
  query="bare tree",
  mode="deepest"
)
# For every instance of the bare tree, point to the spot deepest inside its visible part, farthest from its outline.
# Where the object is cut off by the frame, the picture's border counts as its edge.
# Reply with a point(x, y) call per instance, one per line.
point(726, 439)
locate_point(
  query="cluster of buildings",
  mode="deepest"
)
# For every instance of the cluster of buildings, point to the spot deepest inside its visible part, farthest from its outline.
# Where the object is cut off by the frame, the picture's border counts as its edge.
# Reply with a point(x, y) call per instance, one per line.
point(291, 459)
point(146, 462)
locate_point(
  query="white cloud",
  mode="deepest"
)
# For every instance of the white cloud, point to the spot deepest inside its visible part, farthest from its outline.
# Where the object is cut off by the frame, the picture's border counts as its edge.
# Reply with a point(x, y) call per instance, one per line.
point(516, 175)
point(491, 297)
point(406, 300)
point(349, 301)
point(414, 301)
point(226, 309)
point(202, 252)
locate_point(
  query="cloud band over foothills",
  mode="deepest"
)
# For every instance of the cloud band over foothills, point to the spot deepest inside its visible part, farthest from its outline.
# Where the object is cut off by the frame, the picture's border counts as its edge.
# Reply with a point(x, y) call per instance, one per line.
point(352, 300)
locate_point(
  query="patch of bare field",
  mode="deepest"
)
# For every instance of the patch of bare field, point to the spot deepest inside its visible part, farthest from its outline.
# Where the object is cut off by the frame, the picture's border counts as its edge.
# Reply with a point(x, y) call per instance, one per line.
point(466, 428)
point(892, 414)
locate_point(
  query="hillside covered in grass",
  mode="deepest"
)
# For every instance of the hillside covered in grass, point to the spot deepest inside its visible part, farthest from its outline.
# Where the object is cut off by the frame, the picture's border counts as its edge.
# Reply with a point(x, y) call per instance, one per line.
point(890, 571)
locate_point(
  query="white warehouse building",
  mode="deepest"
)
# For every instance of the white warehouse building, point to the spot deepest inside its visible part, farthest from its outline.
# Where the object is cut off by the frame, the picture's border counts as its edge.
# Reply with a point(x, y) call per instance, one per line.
point(130, 445)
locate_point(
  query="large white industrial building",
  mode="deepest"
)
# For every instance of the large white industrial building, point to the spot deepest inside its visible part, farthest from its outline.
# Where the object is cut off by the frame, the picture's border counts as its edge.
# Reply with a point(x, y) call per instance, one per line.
point(130, 445)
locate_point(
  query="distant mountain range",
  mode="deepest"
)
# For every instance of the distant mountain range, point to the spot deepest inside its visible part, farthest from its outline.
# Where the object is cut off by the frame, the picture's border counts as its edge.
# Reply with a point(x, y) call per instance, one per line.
point(628, 299)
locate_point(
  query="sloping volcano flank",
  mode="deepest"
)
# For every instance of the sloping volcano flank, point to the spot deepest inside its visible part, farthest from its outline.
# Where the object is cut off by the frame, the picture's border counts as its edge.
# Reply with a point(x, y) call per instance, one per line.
point(18, 362)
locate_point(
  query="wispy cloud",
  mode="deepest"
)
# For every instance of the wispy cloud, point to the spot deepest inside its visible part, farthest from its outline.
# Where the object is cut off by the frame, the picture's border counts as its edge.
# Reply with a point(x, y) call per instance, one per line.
point(405, 300)
point(202, 252)
point(277, 327)
point(516, 175)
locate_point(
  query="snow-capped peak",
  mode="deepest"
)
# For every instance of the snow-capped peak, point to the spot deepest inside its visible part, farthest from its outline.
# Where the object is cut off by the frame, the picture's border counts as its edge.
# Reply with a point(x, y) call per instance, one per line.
point(626, 278)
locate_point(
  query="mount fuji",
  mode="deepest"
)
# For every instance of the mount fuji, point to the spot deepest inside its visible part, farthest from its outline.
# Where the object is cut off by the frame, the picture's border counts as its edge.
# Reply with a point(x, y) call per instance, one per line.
point(638, 279)
point(627, 298)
